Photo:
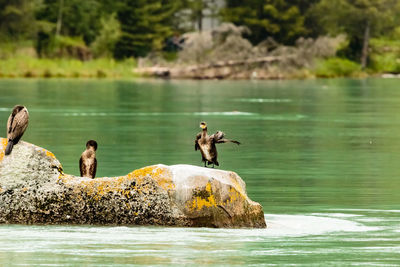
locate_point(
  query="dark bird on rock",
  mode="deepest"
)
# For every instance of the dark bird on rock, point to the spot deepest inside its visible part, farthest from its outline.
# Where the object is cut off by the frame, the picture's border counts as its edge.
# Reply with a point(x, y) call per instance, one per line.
point(88, 161)
point(16, 126)
point(206, 144)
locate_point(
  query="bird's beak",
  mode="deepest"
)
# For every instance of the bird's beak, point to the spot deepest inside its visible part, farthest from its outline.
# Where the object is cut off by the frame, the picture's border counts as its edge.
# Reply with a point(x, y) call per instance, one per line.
point(202, 126)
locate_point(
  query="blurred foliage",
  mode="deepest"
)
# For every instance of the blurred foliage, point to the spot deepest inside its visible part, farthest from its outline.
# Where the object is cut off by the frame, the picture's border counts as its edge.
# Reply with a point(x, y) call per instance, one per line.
point(279, 19)
point(79, 18)
point(352, 17)
point(179, 30)
point(336, 67)
point(145, 25)
point(104, 44)
point(385, 55)
point(29, 67)
point(17, 19)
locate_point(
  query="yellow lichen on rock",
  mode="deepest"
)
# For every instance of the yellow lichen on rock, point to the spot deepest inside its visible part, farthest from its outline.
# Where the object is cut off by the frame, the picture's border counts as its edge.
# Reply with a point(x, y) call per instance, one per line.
point(122, 185)
point(162, 176)
point(208, 201)
point(4, 143)
point(207, 198)
point(50, 154)
point(97, 188)
point(233, 196)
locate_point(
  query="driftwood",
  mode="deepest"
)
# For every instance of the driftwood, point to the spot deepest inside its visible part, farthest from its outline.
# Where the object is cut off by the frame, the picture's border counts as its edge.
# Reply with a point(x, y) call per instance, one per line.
point(230, 63)
point(215, 70)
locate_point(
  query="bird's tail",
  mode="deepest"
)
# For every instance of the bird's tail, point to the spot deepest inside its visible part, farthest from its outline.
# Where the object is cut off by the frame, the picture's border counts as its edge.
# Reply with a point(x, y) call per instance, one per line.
point(9, 147)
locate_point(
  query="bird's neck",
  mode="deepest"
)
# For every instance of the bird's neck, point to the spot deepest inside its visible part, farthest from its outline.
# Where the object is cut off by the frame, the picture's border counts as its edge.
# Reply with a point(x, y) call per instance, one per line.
point(204, 132)
point(91, 151)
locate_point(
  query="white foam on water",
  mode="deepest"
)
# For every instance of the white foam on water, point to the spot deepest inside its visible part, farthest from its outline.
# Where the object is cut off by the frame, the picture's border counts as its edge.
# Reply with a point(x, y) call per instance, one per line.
point(339, 215)
point(124, 240)
point(391, 249)
point(300, 225)
point(370, 219)
point(264, 100)
point(229, 113)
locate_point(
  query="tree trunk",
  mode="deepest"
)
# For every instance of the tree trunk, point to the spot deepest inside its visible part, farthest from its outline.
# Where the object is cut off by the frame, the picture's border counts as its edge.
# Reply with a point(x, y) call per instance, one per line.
point(59, 18)
point(200, 19)
point(364, 54)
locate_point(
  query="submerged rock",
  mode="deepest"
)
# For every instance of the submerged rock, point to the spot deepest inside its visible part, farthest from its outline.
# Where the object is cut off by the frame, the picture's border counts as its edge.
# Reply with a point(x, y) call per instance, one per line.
point(34, 189)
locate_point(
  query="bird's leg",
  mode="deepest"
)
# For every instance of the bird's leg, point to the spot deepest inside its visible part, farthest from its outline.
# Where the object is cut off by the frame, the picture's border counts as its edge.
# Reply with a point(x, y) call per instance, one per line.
point(213, 166)
point(205, 164)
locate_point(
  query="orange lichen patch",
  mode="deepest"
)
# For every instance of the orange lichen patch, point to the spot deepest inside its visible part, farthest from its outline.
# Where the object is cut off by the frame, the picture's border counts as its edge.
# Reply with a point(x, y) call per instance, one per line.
point(3, 144)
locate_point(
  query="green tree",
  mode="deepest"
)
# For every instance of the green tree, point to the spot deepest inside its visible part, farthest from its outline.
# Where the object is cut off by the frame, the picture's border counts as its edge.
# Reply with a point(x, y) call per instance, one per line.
point(360, 20)
point(109, 34)
point(145, 25)
point(278, 19)
point(17, 19)
point(72, 17)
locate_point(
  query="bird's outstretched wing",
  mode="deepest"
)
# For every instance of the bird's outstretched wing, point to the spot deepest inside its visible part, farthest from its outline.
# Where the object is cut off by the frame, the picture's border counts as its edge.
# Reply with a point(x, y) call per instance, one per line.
point(196, 143)
point(227, 141)
point(218, 138)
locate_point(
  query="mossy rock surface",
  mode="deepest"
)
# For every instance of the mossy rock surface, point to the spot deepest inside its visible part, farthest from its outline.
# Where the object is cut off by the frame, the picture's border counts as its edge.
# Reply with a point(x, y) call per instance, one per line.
point(34, 189)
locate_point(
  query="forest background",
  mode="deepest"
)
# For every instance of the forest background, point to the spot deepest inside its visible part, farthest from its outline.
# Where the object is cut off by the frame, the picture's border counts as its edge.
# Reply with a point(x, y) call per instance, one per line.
point(211, 38)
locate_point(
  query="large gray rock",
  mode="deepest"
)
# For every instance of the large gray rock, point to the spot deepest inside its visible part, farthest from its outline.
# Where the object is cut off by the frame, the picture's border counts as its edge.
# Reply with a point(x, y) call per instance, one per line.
point(34, 189)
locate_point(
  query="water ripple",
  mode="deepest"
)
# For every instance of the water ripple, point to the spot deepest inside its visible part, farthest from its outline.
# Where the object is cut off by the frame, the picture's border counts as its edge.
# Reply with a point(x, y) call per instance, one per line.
point(138, 114)
point(263, 100)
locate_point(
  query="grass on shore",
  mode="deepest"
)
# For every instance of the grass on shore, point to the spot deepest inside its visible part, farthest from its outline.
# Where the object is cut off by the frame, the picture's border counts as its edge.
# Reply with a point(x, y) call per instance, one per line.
point(31, 67)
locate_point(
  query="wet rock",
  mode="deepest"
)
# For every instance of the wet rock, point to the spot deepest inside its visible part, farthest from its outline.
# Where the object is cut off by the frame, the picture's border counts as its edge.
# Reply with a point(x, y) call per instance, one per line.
point(34, 189)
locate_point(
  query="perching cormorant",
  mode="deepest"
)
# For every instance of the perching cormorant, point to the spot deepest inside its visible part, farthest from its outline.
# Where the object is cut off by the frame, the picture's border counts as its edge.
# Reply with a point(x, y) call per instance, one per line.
point(88, 161)
point(16, 126)
point(206, 144)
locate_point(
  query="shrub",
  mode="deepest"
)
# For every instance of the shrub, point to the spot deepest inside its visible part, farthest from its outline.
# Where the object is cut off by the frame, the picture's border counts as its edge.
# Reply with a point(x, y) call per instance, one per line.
point(336, 67)
point(385, 55)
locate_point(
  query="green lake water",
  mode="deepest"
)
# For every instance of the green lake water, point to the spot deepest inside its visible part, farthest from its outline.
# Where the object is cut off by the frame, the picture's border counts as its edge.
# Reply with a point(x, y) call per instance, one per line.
point(321, 156)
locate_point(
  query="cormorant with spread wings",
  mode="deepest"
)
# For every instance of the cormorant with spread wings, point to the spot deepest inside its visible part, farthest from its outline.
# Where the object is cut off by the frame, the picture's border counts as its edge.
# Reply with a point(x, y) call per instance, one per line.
point(206, 144)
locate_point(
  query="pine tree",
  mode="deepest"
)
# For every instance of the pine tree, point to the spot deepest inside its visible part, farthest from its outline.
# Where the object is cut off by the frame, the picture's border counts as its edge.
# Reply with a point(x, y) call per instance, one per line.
point(145, 25)
point(278, 19)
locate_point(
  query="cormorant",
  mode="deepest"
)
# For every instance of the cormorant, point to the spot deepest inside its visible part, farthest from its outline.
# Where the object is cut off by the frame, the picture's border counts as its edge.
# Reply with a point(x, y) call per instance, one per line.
point(16, 126)
point(206, 144)
point(88, 161)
